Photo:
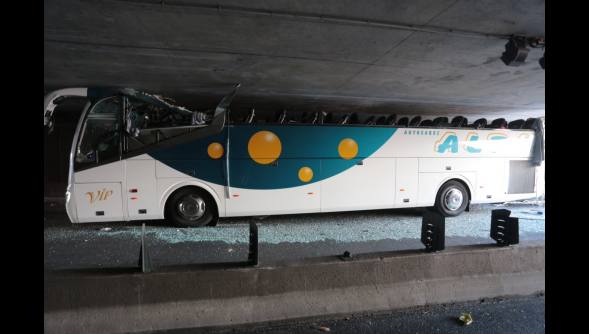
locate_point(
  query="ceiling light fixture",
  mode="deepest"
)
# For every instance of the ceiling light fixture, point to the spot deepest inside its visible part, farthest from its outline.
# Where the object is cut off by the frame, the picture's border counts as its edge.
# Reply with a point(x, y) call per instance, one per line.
point(515, 51)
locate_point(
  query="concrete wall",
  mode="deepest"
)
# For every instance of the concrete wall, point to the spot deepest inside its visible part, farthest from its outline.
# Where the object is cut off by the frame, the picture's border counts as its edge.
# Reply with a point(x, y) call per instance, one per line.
point(97, 303)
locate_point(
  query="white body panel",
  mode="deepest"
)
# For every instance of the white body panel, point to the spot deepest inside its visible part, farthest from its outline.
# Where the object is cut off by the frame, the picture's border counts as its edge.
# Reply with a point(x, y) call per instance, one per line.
point(252, 202)
point(367, 186)
point(141, 189)
point(98, 202)
point(407, 182)
point(112, 172)
point(98, 193)
point(491, 180)
point(406, 171)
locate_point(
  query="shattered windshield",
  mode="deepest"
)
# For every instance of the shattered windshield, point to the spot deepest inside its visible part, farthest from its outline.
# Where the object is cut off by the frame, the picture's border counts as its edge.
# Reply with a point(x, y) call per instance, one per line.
point(146, 112)
point(144, 115)
point(150, 119)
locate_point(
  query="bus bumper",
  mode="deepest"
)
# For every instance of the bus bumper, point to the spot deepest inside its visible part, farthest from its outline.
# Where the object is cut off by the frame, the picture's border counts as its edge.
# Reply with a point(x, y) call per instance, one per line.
point(70, 206)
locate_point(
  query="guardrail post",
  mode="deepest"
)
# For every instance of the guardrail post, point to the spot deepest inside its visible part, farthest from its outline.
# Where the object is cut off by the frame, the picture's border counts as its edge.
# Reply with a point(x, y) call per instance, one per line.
point(144, 260)
point(252, 256)
point(504, 229)
point(433, 231)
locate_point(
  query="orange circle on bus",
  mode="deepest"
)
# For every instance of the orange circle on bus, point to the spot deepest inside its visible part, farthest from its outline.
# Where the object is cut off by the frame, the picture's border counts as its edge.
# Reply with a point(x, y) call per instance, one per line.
point(215, 150)
point(264, 147)
point(348, 148)
point(305, 174)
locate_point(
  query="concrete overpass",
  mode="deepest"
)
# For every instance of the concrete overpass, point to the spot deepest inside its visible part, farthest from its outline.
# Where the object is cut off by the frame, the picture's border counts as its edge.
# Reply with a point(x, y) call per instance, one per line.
point(408, 56)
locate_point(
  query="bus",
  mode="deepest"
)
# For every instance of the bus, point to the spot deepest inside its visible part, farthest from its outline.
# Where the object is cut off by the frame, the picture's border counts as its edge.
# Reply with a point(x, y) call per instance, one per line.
point(140, 156)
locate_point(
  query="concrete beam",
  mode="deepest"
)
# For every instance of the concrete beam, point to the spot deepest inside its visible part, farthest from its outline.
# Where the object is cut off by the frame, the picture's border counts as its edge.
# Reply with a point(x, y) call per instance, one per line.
point(94, 303)
point(301, 54)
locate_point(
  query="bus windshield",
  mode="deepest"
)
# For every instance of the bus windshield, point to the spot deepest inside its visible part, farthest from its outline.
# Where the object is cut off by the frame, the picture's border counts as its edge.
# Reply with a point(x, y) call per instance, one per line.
point(101, 134)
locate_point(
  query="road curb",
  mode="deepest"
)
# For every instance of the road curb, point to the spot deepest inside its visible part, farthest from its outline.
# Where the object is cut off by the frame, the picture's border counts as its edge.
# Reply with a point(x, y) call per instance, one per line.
point(97, 303)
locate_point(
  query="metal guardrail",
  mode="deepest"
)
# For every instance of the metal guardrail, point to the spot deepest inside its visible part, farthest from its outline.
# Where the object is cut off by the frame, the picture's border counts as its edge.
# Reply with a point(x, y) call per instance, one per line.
point(252, 256)
point(144, 259)
point(504, 230)
point(145, 264)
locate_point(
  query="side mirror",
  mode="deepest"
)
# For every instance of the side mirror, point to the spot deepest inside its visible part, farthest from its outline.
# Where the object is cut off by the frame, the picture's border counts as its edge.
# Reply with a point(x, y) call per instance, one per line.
point(50, 124)
point(52, 99)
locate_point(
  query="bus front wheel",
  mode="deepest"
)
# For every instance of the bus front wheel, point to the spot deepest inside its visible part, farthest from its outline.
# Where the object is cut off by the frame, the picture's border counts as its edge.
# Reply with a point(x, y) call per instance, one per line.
point(191, 207)
point(452, 199)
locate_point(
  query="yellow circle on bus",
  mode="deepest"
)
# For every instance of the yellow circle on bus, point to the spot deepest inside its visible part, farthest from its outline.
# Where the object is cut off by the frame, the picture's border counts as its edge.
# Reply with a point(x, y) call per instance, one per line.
point(264, 147)
point(305, 174)
point(348, 148)
point(215, 150)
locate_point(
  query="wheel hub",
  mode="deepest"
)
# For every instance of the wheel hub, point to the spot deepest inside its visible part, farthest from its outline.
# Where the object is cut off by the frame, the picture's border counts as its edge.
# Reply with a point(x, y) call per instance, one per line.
point(191, 207)
point(453, 199)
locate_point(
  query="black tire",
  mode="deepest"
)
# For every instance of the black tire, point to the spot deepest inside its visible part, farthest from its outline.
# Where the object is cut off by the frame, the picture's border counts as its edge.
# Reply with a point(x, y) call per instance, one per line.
point(191, 207)
point(444, 195)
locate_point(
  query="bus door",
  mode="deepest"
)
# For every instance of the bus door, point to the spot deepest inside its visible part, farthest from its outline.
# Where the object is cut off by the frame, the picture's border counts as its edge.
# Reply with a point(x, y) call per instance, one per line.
point(140, 188)
point(140, 172)
point(98, 170)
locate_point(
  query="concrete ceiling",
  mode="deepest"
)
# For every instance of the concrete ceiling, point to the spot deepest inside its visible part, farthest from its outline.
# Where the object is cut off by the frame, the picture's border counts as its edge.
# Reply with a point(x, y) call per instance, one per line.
point(303, 55)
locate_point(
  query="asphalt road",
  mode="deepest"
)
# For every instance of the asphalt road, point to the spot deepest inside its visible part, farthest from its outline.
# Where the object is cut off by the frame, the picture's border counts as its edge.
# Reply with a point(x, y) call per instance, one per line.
point(501, 315)
point(281, 238)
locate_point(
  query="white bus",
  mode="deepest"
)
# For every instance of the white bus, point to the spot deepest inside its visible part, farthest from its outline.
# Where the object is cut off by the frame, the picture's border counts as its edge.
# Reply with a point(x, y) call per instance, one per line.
point(137, 156)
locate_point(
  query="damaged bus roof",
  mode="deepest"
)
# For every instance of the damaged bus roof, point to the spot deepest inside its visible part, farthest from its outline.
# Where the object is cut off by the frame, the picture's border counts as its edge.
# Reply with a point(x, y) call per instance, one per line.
point(97, 93)
point(52, 99)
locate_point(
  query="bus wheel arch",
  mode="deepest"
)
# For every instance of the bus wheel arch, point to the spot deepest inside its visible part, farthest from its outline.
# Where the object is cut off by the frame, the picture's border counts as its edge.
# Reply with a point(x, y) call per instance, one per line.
point(453, 197)
point(191, 206)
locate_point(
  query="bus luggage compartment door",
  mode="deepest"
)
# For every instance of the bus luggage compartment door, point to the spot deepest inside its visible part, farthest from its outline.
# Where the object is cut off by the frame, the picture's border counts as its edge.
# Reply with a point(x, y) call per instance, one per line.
point(97, 202)
point(407, 182)
point(267, 189)
point(369, 184)
point(491, 180)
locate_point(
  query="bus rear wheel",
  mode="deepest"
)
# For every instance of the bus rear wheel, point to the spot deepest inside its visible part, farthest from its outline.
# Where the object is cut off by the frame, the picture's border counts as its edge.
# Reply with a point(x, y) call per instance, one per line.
point(191, 207)
point(452, 199)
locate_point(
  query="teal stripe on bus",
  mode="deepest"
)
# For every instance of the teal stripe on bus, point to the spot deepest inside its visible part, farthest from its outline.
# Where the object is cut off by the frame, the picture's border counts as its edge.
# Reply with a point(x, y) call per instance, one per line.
point(313, 147)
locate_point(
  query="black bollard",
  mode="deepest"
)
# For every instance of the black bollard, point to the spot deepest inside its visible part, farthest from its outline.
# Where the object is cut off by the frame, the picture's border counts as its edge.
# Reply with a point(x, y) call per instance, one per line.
point(504, 229)
point(433, 231)
point(253, 244)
